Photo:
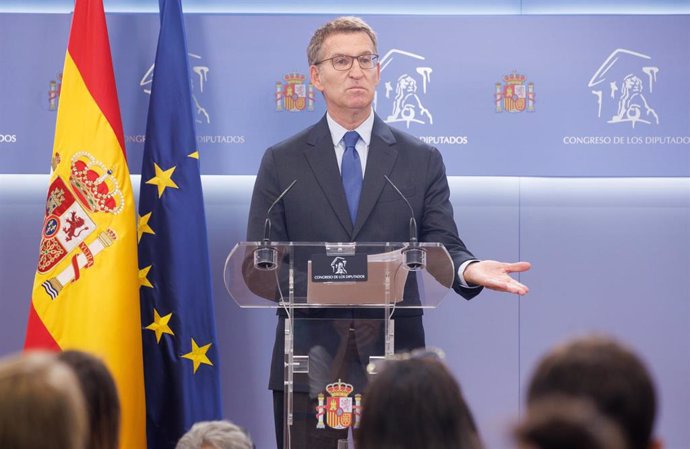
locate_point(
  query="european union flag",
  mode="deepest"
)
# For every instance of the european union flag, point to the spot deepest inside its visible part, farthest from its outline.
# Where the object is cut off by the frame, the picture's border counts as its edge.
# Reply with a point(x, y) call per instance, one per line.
point(179, 339)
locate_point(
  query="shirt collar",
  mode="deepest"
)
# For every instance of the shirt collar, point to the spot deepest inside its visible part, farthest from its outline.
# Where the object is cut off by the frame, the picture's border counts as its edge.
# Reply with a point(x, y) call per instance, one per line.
point(364, 130)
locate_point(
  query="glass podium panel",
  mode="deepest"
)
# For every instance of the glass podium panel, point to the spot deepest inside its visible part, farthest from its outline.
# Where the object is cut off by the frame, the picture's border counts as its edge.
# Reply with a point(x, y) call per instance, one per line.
point(338, 300)
point(326, 375)
point(314, 275)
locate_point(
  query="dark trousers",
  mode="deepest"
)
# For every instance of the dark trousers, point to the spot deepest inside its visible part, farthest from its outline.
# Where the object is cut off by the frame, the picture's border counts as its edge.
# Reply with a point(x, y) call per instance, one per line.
point(350, 355)
point(304, 432)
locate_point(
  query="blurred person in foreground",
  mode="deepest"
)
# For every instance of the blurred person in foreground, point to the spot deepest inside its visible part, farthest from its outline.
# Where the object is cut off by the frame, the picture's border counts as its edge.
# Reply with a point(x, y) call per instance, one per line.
point(415, 402)
point(41, 404)
point(100, 394)
point(567, 423)
point(607, 373)
point(215, 435)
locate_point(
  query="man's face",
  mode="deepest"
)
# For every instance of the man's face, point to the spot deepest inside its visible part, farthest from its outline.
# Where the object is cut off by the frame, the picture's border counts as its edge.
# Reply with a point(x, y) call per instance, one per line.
point(351, 90)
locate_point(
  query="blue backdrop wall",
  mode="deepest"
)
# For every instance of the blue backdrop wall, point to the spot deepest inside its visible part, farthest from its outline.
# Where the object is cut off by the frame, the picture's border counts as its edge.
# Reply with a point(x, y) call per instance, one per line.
point(520, 95)
point(584, 171)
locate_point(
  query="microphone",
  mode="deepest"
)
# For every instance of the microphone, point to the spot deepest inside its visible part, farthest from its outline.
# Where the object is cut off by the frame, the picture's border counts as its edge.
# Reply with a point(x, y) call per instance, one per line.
point(414, 257)
point(265, 256)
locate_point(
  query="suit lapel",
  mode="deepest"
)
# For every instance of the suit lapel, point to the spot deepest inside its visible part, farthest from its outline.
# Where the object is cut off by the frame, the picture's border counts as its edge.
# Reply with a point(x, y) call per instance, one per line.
point(320, 156)
point(380, 160)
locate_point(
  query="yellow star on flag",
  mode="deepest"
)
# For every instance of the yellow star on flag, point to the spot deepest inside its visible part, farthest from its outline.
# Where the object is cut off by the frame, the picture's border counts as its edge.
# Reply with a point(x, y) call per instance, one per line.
point(198, 355)
point(160, 325)
point(194, 155)
point(162, 179)
point(143, 226)
point(143, 280)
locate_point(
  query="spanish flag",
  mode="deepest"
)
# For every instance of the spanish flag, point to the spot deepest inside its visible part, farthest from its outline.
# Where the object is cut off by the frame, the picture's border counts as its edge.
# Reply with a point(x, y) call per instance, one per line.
point(86, 289)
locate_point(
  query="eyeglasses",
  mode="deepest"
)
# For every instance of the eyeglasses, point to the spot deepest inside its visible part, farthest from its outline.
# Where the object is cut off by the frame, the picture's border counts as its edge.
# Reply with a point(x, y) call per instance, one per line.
point(344, 62)
point(376, 365)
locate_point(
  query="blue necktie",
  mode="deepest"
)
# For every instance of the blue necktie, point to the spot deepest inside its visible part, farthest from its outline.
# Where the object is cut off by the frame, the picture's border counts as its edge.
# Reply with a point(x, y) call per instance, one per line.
point(351, 171)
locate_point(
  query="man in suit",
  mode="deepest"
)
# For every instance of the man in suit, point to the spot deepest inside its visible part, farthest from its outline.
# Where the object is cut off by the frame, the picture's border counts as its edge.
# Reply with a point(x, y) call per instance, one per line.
point(342, 195)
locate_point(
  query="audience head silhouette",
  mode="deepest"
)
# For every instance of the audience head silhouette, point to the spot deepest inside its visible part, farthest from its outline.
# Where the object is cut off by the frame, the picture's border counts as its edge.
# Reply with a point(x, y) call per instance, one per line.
point(609, 374)
point(41, 404)
point(215, 435)
point(415, 402)
point(567, 423)
point(100, 395)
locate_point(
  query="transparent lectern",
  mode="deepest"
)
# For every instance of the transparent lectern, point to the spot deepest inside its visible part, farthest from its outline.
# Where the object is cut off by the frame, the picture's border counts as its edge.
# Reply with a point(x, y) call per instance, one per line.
point(339, 301)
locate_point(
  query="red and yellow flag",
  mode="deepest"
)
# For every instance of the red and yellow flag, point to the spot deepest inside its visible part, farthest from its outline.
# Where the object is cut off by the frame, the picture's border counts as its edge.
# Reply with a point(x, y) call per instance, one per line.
point(86, 289)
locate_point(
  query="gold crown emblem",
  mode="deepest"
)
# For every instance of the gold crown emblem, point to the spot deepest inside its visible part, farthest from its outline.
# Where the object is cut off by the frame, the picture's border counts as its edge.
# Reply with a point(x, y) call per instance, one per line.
point(339, 389)
point(514, 78)
point(94, 184)
point(294, 78)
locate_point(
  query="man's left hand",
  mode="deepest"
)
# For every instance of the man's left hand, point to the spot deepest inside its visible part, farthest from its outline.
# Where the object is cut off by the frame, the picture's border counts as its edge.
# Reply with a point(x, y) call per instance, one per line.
point(496, 275)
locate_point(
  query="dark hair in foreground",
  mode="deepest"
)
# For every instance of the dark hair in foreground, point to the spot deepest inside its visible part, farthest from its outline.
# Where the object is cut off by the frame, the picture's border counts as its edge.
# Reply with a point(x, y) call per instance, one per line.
point(100, 394)
point(41, 405)
point(567, 423)
point(416, 403)
point(607, 373)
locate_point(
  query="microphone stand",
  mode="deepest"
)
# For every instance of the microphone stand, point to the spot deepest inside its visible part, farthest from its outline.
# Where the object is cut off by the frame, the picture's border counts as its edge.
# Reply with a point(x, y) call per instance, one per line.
point(414, 257)
point(266, 256)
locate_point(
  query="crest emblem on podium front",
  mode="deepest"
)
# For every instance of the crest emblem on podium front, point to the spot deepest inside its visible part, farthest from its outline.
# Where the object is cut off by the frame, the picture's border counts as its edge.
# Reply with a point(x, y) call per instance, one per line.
point(339, 409)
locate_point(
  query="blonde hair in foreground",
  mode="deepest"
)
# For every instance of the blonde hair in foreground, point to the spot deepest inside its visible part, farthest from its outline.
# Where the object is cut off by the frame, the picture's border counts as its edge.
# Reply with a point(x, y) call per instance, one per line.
point(41, 405)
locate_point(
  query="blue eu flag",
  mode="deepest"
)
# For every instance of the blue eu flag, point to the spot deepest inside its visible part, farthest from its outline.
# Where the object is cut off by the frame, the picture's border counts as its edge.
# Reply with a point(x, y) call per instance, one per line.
point(181, 363)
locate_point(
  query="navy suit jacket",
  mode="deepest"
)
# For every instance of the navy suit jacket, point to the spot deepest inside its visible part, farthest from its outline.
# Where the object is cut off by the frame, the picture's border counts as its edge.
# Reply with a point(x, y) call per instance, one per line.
point(315, 209)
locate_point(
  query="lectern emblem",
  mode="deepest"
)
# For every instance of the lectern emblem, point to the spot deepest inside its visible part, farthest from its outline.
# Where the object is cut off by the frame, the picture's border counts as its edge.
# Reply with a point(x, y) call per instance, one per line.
point(339, 410)
point(338, 265)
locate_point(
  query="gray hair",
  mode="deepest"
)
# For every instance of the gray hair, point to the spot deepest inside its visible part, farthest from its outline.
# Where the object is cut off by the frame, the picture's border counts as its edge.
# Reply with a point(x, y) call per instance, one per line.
point(215, 435)
point(347, 24)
